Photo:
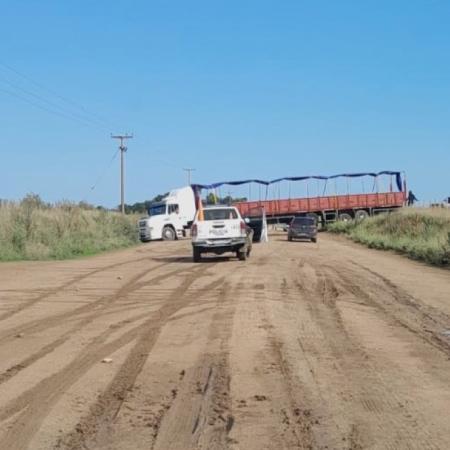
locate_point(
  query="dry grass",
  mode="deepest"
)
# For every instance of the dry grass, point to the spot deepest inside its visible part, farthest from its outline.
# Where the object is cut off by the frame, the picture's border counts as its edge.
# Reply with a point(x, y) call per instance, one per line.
point(34, 230)
point(420, 233)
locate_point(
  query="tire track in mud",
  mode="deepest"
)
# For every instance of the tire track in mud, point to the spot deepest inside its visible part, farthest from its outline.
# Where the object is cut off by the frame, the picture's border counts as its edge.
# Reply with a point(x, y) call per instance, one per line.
point(296, 417)
point(425, 321)
point(397, 306)
point(81, 322)
point(360, 380)
point(56, 290)
point(103, 302)
point(96, 426)
point(32, 406)
point(52, 346)
point(200, 416)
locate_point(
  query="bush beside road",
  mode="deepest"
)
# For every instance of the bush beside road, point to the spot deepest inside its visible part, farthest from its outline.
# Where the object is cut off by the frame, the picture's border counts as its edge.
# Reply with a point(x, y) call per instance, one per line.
point(419, 233)
point(34, 230)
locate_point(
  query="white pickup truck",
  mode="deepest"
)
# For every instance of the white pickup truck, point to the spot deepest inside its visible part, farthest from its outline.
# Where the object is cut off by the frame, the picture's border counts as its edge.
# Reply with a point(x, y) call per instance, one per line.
point(220, 230)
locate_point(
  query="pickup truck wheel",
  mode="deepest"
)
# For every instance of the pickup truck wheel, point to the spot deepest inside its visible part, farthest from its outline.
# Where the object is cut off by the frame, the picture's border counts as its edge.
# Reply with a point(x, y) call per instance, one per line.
point(196, 255)
point(168, 234)
point(314, 240)
point(242, 256)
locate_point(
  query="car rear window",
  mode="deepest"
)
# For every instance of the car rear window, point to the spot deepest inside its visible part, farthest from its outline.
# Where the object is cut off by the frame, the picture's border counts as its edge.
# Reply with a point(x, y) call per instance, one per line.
point(304, 221)
point(220, 214)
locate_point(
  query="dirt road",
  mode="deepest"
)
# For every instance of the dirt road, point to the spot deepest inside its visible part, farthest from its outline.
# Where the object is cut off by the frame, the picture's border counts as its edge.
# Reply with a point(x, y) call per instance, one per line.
point(301, 347)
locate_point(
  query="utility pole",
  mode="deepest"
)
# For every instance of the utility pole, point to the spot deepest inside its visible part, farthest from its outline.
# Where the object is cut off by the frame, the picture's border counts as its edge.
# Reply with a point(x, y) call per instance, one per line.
point(123, 149)
point(189, 174)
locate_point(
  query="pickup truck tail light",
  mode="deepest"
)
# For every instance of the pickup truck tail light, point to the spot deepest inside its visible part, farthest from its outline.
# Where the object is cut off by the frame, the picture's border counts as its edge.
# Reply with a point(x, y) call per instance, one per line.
point(194, 230)
point(243, 229)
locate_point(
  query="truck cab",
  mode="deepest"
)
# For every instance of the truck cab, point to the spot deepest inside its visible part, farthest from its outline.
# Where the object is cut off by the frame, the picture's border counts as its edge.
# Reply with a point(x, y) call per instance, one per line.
point(169, 219)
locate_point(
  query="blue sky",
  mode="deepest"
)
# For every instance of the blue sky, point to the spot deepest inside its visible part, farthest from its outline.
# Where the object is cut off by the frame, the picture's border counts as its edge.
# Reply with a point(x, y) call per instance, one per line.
point(236, 89)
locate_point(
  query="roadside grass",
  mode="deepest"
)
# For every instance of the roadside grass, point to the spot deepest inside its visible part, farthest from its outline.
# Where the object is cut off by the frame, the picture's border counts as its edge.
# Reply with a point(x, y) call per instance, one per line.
point(34, 230)
point(419, 233)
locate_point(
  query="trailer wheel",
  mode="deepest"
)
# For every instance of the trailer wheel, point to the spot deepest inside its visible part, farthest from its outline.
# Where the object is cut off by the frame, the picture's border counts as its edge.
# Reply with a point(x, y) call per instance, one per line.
point(361, 214)
point(345, 217)
point(168, 234)
point(318, 220)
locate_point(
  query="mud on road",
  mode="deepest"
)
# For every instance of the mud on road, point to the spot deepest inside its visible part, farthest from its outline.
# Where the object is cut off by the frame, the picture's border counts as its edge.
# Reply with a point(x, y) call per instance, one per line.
point(303, 346)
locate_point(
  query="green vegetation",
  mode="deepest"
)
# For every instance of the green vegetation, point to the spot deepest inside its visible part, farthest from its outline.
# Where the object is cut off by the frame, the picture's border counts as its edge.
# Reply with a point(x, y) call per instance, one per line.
point(213, 199)
point(419, 233)
point(34, 230)
point(143, 207)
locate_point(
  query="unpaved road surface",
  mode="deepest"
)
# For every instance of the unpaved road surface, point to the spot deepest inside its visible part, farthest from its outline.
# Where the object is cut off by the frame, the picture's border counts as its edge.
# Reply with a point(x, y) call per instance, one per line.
point(303, 346)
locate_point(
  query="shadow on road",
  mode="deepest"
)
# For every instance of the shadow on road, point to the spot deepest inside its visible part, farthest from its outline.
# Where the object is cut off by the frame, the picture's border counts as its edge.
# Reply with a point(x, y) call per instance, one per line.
point(188, 259)
point(300, 241)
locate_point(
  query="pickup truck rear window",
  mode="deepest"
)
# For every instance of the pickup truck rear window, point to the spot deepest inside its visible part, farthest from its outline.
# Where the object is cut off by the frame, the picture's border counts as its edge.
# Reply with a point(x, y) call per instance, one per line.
point(220, 214)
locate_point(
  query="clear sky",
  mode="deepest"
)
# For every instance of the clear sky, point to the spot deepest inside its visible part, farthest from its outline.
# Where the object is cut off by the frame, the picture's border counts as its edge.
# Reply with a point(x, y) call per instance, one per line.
point(236, 89)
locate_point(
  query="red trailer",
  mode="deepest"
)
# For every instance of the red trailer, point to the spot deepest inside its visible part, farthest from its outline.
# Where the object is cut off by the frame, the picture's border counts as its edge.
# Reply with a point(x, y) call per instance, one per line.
point(325, 208)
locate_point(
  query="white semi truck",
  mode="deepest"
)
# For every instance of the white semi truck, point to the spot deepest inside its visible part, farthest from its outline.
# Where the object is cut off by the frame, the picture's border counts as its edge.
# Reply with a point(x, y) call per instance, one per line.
point(170, 218)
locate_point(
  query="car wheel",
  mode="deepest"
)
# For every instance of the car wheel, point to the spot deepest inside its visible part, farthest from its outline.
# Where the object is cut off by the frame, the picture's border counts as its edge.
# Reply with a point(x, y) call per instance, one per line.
point(314, 240)
point(197, 255)
point(168, 234)
point(242, 256)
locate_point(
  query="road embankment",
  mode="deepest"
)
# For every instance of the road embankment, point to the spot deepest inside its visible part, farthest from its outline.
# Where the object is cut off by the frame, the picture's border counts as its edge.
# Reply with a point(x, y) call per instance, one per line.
point(419, 233)
point(34, 230)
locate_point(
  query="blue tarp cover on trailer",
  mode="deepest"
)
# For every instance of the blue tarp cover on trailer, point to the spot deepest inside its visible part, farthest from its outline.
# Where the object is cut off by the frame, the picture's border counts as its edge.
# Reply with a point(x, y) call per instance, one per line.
point(397, 175)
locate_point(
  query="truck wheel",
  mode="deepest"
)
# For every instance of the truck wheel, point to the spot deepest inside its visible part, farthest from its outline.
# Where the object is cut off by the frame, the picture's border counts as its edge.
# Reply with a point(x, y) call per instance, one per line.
point(361, 214)
point(168, 234)
point(345, 217)
point(196, 254)
point(314, 240)
point(242, 256)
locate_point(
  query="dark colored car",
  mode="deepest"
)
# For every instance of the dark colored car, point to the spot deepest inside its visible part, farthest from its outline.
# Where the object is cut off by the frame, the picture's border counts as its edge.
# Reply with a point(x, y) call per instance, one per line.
point(303, 228)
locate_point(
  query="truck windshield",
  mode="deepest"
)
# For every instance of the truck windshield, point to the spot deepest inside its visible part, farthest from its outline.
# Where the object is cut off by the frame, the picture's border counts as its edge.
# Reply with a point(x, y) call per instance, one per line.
point(156, 210)
point(220, 214)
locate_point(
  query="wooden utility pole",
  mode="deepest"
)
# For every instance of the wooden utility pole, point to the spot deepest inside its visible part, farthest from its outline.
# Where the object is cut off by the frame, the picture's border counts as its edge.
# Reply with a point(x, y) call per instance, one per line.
point(123, 149)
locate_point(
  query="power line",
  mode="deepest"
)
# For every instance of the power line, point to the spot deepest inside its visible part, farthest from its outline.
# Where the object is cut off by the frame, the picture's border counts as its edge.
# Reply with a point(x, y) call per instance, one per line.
point(54, 105)
point(66, 100)
point(43, 108)
point(102, 174)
